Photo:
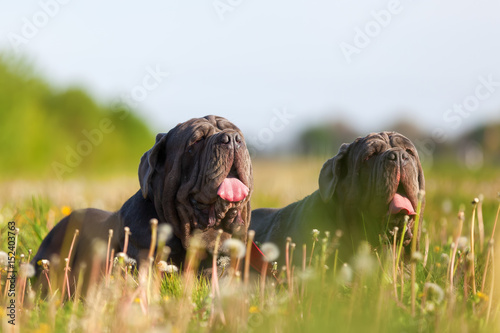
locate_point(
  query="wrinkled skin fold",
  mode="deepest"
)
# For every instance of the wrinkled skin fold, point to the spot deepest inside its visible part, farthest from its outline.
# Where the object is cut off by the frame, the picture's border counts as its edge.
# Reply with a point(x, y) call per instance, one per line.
point(181, 176)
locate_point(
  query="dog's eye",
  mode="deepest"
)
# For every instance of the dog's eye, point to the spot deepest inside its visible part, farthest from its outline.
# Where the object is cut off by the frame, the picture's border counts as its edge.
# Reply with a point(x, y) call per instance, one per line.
point(195, 143)
point(410, 152)
point(200, 139)
point(368, 157)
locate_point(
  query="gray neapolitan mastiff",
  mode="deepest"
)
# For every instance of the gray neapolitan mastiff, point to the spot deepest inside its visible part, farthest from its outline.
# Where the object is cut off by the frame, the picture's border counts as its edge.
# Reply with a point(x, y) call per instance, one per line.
point(364, 191)
point(196, 177)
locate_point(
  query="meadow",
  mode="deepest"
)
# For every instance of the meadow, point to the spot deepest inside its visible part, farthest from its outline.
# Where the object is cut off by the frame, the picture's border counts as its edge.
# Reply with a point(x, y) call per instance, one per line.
point(454, 289)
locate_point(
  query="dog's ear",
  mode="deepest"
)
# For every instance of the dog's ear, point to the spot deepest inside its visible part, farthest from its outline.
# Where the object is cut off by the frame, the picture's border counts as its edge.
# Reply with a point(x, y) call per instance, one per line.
point(151, 162)
point(331, 172)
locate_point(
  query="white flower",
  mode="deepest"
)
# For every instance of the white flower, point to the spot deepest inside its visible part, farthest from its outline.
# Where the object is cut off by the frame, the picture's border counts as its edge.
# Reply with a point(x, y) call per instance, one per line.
point(271, 251)
point(234, 247)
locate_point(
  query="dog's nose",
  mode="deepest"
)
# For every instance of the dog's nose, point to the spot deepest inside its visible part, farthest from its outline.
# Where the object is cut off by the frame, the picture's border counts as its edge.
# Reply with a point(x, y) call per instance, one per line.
point(231, 138)
point(225, 138)
point(398, 156)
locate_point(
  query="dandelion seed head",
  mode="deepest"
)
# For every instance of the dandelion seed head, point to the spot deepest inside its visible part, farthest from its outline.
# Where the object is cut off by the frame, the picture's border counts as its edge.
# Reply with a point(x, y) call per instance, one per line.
point(223, 262)
point(435, 293)
point(165, 231)
point(234, 247)
point(315, 234)
point(417, 256)
point(171, 269)
point(251, 233)
point(44, 263)
point(430, 307)
point(307, 274)
point(271, 251)
point(4, 258)
point(462, 243)
point(447, 206)
point(121, 255)
point(363, 261)
point(275, 266)
point(445, 258)
point(120, 258)
point(162, 266)
point(27, 270)
point(345, 274)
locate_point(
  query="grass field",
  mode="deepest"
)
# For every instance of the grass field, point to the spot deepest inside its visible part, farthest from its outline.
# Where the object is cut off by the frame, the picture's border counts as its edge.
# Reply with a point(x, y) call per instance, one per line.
point(372, 293)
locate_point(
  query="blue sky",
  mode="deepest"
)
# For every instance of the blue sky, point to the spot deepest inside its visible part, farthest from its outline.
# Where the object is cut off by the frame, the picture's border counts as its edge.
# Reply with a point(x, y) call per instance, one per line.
point(369, 63)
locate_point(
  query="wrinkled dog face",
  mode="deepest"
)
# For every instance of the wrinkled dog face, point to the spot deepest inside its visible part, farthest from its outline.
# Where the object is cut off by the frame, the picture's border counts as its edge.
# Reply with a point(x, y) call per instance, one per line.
point(377, 177)
point(201, 179)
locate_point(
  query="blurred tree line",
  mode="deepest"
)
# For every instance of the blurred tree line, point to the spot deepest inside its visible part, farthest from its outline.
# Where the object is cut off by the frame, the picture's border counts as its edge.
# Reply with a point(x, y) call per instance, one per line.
point(47, 132)
point(52, 133)
point(474, 149)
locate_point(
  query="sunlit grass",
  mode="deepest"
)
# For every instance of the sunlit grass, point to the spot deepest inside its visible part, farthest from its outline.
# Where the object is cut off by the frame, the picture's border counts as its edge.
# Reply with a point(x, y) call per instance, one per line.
point(371, 293)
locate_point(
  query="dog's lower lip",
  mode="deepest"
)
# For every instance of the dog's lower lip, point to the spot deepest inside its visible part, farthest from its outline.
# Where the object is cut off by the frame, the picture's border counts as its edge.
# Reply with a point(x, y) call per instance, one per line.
point(227, 216)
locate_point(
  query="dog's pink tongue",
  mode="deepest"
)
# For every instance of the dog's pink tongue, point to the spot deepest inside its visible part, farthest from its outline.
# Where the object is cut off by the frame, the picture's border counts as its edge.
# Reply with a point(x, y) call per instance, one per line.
point(401, 204)
point(232, 189)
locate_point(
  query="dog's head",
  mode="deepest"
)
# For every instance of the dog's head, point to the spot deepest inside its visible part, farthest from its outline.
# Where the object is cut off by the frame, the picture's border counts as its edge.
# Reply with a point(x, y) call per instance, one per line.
point(375, 181)
point(199, 177)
